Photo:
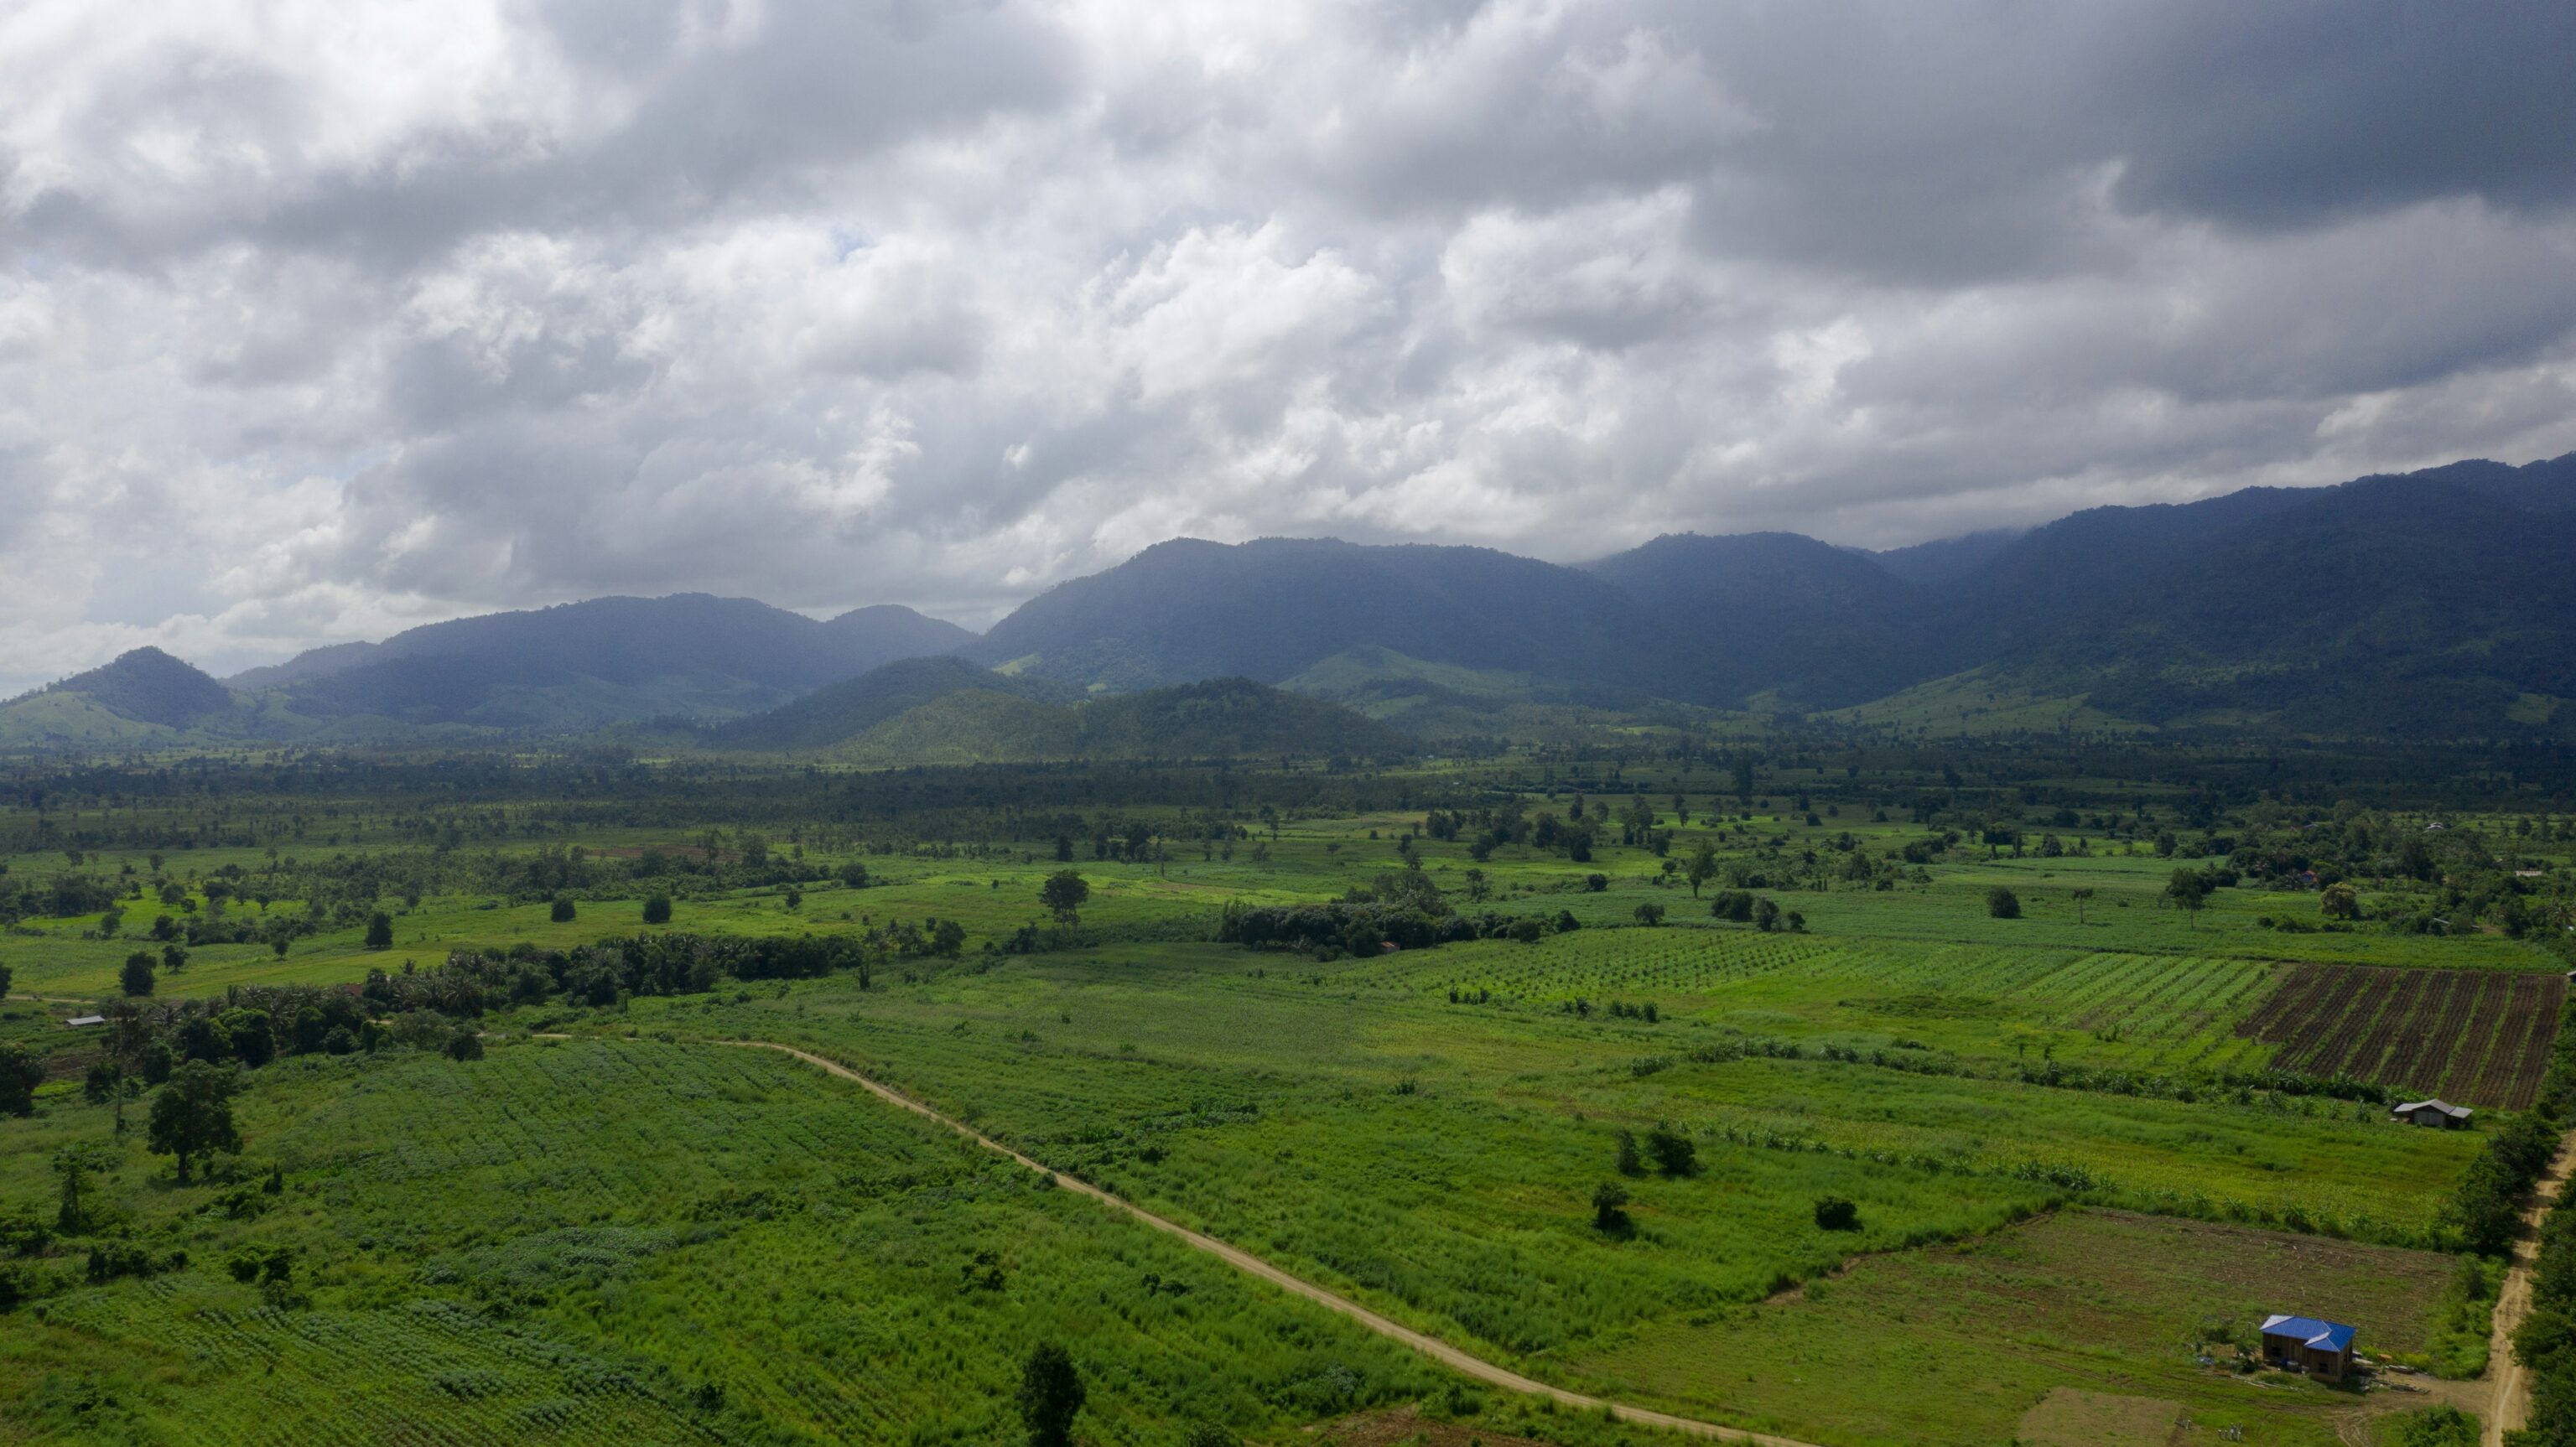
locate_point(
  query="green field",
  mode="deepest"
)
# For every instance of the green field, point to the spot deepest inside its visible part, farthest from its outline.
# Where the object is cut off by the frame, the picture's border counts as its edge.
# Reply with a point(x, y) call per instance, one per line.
point(599, 1242)
point(2066, 1152)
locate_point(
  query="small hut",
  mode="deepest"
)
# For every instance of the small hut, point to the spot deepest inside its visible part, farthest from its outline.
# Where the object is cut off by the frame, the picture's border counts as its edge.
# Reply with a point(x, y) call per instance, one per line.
point(2306, 1344)
point(2433, 1113)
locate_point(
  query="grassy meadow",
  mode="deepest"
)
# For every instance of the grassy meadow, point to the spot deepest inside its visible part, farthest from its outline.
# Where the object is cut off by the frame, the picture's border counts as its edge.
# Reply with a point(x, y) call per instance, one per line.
point(639, 1232)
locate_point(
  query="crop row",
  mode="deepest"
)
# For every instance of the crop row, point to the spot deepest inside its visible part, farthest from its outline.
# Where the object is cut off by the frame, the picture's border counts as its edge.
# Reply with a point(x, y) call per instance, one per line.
point(2481, 1037)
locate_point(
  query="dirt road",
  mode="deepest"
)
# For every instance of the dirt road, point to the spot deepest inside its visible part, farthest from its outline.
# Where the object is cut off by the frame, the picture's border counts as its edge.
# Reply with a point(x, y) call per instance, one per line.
point(1252, 1265)
point(2512, 1403)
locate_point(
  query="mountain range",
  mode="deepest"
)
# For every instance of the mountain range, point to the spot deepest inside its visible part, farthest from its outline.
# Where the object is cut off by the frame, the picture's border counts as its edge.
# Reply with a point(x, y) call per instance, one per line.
point(2435, 604)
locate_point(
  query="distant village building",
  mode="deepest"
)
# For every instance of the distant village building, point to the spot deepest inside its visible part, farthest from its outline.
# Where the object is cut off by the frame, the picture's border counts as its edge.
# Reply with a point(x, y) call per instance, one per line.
point(79, 1020)
point(2305, 1344)
point(2432, 1112)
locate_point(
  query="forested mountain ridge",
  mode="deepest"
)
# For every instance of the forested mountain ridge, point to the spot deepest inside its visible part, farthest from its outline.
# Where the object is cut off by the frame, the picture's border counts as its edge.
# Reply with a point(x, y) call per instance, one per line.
point(2435, 604)
point(1775, 612)
point(605, 660)
point(1271, 608)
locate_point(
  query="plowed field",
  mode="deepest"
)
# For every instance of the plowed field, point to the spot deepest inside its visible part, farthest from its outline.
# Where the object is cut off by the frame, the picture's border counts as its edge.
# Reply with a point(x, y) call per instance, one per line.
point(2472, 1036)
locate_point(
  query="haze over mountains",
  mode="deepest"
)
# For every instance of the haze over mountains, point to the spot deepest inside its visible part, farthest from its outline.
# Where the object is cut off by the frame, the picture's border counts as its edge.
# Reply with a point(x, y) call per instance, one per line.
point(2442, 603)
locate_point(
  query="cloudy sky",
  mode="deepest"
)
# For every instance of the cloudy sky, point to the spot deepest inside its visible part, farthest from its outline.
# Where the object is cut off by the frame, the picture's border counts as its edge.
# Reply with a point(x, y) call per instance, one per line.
point(318, 320)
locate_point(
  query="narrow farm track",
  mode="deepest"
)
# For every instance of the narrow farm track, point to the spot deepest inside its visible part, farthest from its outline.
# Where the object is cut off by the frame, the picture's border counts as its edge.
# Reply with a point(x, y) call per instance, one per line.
point(1251, 1265)
point(2512, 1404)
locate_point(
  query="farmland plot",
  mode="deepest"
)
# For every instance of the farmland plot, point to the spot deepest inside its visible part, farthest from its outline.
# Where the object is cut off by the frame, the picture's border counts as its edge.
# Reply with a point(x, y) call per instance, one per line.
point(609, 1242)
point(2476, 1036)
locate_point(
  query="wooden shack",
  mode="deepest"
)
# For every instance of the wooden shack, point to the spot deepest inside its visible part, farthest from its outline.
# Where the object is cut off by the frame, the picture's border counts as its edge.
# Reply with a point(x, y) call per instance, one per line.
point(2433, 1113)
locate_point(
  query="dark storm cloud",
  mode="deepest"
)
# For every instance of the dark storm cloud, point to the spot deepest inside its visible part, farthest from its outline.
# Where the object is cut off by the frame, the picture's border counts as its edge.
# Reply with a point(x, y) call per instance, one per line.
point(394, 314)
point(2282, 115)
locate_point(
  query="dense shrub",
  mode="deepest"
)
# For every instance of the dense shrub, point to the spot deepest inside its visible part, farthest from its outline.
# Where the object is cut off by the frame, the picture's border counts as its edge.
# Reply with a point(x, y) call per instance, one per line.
point(1350, 927)
point(2487, 1207)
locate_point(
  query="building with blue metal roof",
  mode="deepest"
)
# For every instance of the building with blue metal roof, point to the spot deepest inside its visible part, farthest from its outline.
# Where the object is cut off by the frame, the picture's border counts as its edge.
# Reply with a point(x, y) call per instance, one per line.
point(2308, 1344)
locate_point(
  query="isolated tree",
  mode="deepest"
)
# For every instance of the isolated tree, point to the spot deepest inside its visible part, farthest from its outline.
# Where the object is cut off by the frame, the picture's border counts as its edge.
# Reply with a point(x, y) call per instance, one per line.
point(466, 1045)
point(194, 1114)
point(2002, 903)
point(71, 1213)
point(1649, 914)
point(2339, 901)
point(561, 912)
point(380, 931)
point(1607, 1199)
point(1629, 1163)
point(1050, 1395)
point(2080, 896)
point(20, 1073)
point(1064, 894)
point(1673, 1151)
point(1766, 914)
point(174, 957)
point(1703, 866)
point(4, 982)
point(1833, 1213)
point(2188, 888)
point(1478, 891)
point(136, 977)
point(657, 909)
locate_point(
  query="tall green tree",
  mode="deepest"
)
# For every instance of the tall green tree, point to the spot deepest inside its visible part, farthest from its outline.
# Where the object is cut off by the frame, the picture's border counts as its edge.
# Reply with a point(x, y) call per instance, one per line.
point(380, 931)
point(71, 1168)
point(20, 1073)
point(2188, 888)
point(1050, 1394)
point(194, 1114)
point(1065, 892)
point(1703, 866)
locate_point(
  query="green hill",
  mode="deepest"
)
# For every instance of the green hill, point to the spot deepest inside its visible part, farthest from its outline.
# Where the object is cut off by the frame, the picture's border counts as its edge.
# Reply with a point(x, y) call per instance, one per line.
point(145, 696)
point(1225, 718)
point(840, 711)
point(968, 726)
